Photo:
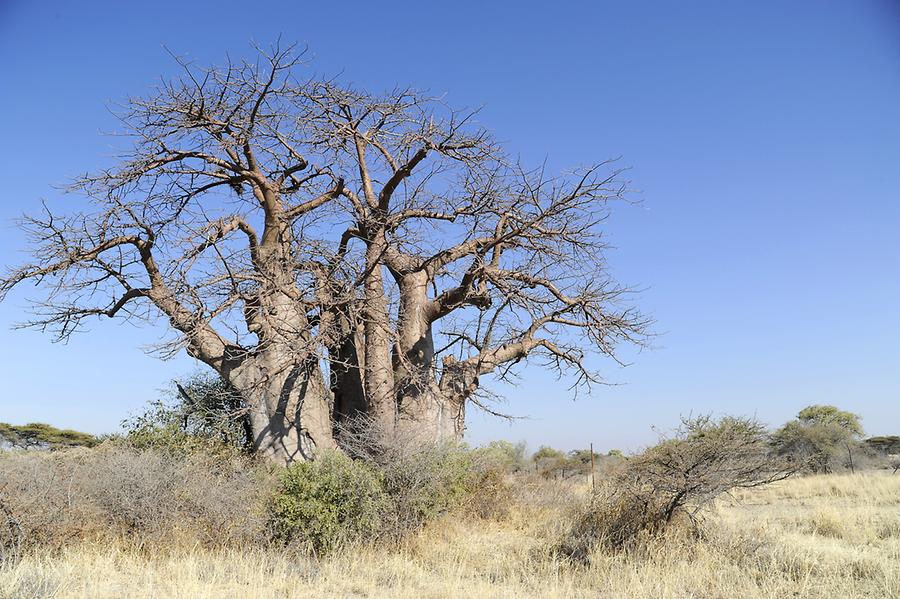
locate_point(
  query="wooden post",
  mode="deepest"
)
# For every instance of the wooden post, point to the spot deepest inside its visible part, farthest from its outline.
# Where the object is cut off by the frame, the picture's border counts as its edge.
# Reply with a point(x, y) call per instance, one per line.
point(850, 455)
point(593, 479)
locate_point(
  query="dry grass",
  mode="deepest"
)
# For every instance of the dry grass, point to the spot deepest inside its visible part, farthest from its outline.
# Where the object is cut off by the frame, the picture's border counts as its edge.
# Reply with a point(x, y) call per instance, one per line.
point(828, 536)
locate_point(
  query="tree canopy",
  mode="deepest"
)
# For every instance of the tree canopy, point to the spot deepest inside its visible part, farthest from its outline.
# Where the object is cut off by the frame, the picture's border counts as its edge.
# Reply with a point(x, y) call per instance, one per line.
point(37, 435)
point(333, 253)
point(819, 436)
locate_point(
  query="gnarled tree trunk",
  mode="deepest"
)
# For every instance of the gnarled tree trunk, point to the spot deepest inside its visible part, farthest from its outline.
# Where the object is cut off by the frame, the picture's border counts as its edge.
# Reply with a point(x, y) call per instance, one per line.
point(290, 408)
point(346, 359)
point(427, 410)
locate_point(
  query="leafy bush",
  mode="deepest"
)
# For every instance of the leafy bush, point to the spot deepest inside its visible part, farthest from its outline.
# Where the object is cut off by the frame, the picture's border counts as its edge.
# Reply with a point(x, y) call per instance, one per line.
point(544, 453)
point(672, 482)
point(820, 439)
point(200, 412)
point(331, 502)
point(505, 456)
point(173, 440)
point(423, 481)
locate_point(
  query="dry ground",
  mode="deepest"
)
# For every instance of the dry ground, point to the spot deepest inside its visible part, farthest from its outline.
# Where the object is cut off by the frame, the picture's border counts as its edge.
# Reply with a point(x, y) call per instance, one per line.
point(828, 536)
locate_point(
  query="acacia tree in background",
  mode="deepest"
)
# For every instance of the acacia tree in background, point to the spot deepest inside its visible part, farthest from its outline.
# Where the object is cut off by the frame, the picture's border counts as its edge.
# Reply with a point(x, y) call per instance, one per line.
point(820, 436)
point(291, 229)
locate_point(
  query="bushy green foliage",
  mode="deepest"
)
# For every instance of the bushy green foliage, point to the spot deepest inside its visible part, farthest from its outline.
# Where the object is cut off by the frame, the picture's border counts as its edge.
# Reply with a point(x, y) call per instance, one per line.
point(173, 440)
point(820, 414)
point(200, 413)
point(331, 502)
point(503, 455)
point(821, 438)
point(44, 436)
point(385, 492)
point(583, 457)
point(547, 453)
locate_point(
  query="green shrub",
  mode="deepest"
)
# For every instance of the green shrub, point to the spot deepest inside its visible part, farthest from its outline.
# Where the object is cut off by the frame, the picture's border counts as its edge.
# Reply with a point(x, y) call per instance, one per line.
point(504, 455)
point(337, 500)
point(200, 413)
point(821, 439)
point(331, 502)
point(171, 439)
point(547, 453)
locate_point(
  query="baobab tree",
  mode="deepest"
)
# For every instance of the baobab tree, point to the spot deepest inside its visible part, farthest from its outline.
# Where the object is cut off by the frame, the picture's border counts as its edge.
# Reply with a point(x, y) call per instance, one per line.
point(332, 253)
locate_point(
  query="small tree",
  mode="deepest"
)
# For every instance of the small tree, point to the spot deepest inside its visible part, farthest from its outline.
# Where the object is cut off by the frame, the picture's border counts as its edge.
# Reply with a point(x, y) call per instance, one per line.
point(676, 480)
point(819, 437)
point(545, 452)
point(549, 461)
point(510, 457)
point(583, 456)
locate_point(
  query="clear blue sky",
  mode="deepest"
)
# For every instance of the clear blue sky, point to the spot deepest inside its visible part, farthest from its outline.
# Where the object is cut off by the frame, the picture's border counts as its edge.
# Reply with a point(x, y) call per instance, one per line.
point(764, 137)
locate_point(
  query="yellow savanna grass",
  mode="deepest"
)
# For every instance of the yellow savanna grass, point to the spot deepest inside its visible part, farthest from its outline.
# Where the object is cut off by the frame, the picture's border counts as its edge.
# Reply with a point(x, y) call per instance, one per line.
point(825, 536)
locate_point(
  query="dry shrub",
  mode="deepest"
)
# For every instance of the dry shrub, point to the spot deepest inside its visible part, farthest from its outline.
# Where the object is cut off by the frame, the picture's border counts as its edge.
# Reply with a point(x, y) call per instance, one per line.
point(614, 520)
point(167, 493)
point(426, 479)
point(10, 534)
point(827, 523)
point(115, 491)
point(667, 487)
point(490, 496)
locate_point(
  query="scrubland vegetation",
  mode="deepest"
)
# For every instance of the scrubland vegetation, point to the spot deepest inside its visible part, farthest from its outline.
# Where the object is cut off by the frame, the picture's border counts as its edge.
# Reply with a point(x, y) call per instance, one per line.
point(351, 268)
point(713, 510)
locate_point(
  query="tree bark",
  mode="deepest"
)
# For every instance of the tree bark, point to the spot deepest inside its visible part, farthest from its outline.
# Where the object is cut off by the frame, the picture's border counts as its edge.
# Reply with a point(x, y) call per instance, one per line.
point(427, 410)
point(347, 380)
point(290, 409)
point(379, 379)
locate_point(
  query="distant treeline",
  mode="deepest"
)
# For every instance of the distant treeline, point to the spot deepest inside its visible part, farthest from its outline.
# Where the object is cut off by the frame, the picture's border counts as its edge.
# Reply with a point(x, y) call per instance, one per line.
point(37, 435)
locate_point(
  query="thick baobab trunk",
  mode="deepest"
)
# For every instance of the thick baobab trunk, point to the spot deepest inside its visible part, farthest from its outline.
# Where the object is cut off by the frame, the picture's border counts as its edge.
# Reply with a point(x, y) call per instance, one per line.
point(432, 416)
point(427, 410)
point(437, 412)
point(289, 401)
point(290, 409)
point(379, 379)
point(345, 363)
